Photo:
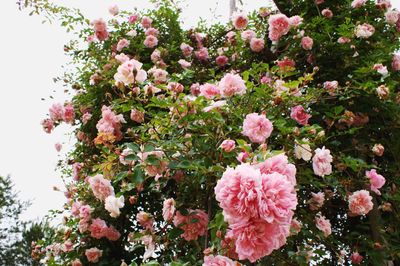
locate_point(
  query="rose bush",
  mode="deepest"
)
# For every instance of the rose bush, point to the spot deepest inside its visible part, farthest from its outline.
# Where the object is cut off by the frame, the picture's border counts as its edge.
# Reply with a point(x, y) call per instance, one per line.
point(255, 143)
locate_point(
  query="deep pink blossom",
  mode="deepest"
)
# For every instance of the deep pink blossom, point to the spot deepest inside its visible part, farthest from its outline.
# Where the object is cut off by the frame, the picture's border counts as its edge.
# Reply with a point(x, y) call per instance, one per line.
point(298, 114)
point(278, 25)
point(228, 145)
point(377, 181)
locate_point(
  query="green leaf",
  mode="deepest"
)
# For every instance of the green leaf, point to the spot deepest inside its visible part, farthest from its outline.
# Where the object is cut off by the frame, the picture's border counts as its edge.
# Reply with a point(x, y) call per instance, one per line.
point(137, 176)
point(175, 232)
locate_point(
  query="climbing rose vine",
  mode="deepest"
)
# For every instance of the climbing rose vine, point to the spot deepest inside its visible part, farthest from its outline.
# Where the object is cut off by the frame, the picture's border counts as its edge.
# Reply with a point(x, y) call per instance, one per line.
point(270, 140)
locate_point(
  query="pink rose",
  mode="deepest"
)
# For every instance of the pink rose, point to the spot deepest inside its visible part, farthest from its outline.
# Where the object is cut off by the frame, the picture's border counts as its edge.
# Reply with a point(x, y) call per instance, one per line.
point(130, 72)
point(114, 10)
point(378, 149)
point(358, 3)
point(257, 127)
point(202, 54)
point(360, 202)
point(298, 114)
point(175, 87)
point(133, 18)
point(186, 49)
point(101, 187)
point(195, 89)
point(123, 43)
point(47, 125)
point(228, 145)
point(69, 114)
point(376, 180)
point(307, 43)
point(112, 234)
point(343, 40)
point(285, 63)
point(242, 156)
point(218, 261)
point(76, 262)
point(322, 162)
point(168, 209)
point(239, 21)
point(331, 86)
point(327, 13)
point(317, 200)
point(257, 44)
point(98, 228)
point(364, 31)
point(100, 28)
point(392, 16)
point(56, 112)
point(137, 116)
point(150, 41)
point(86, 117)
point(58, 146)
point(295, 21)
point(209, 90)
point(93, 254)
point(221, 60)
point(323, 224)
point(356, 258)
point(194, 224)
point(279, 164)
point(396, 62)
point(278, 25)
point(145, 220)
point(146, 22)
point(247, 35)
point(231, 84)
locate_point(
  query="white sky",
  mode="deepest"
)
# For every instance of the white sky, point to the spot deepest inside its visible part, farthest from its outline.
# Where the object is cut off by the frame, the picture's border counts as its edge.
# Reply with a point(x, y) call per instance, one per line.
point(32, 54)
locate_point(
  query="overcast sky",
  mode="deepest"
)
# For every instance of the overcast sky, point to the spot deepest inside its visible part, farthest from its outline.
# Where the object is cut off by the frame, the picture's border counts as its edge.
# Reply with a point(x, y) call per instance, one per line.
point(31, 56)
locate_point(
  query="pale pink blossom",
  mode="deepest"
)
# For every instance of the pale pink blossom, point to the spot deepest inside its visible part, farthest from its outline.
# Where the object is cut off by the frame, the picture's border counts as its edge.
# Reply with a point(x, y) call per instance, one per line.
point(356, 258)
point(76, 169)
point(47, 125)
point(392, 16)
point(85, 212)
point(295, 21)
point(231, 36)
point(146, 22)
point(279, 164)
point(101, 187)
point(123, 43)
point(93, 254)
point(150, 41)
point(132, 33)
point(215, 105)
point(124, 154)
point(137, 116)
point(152, 31)
point(323, 224)
point(149, 245)
point(98, 228)
point(257, 127)
point(317, 200)
point(376, 180)
point(194, 224)
point(114, 10)
point(218, 261)
point(86, 117)
point(209, 90)
point(381, 69)
point(257, 44)
point(168, 209)
point(184, 64)
point(247, 35)
point(228, 145)
point(383, 92)
point(298, 114)
point(159, 75)
point(396, 62)
point(175, 87)
point(239, 20)
point(303, 151)
point(221, 60)
point(360, 202)
point(130, 72)
point(326, 12)
point(322, 162)
point(358, 3)
point(202, 54)
point(56, 112)
point(145, 220)
point(331, 86)
point(113, 205)
point(307, 43)
point(378, 149)
point(186, 49)
point(67, 246)
point(364, 31)
point(76, 262)
point(231, 84)
point(58, 146)
point(278, 25)
point(343, 40)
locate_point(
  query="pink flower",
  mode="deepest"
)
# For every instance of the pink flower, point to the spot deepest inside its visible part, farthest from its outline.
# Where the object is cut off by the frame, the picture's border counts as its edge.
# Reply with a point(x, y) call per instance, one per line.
point(247, 35)
point(364, 31)
point(93, 254)
point(257, 127)
point(133, 18)
point(358, 3)
point(186, 49)
point(295, 226)
point(76, 169)
point(232, 84)
point(114, 10)
point(194, 224)
point(360, 202)
point(396, 62)
point(377, 181)
point(231, 36)
point(76, 262)
point(295, 21)
point(381, 69)
point(47, 125)
point(218, 261)
point(69, 114)
point(130, 72)
point(255, 239)
point(202, 54)
point(100, 28)
point(285, 63)
point(331, 86)
point(392, 16)
point(279, 25)
point(221, 60)
point(228, 145)
point(67, 246)
point(195, 89)
point(209, 90)
point(137, 116)
point(153, 170)
point(242, 156)
point(298, 114)
point(113, 205)
point(146, 22)
point(98, 228)
point(184, 64)
point(90, 38)
point(257, 44)
point(159, 75)
point(85, 211)
point(150, 41)
point(101, 187)
point(343, 40)
point(327, 13)
point(307, 43)
point(378, 149)
point(112, 234)
point(356, 258)
point(322, 162)
point(323, 224)
point(168, 209)
point(86, 117)
point(58, 146)
point(145, 220)
point(122, 44)
point(383, 4)
point(239, 21)
point(279, 164)
point(383, 92)
point(152, 31)
point(175, 87)
point(56, 112)
point(317, 200)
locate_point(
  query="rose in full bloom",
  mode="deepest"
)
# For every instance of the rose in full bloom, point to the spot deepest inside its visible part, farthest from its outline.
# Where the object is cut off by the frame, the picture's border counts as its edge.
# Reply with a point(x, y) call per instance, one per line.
point(396, 62)
point(168, 209)
point(184, 64)
point(47, 125)
point(239, 21)
point(218, 261)
point(98, 228)
point(323, 224)
point(113, 205)
point(295, 21)
point(317, 200)
point(376, 180)
point(202, 54)
point(100, 28)
point(257, 127)
point(123, 43)
point(257, 44)
point(278, 25)
point(231, 84)
point(378, 149)
point(130, 72)
point(381, 69)
point(356, 258)
point(360, 202)
point(194, 224)
point(298, 114)
point(331, 86)
point(326, 12)
point(145, 220)
point(112, 234)
point(307, 43)
point(150, 41)
point(209, 90)
point(322, 162)
point(93, 254)
point(364, 31)
point(279, 164)
point(186, 49)
point(56, 112)
point(101, 187)
point(146, 22)
point(392, 16)
point(228, 145)
point(247, 35)
point(358, 3)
